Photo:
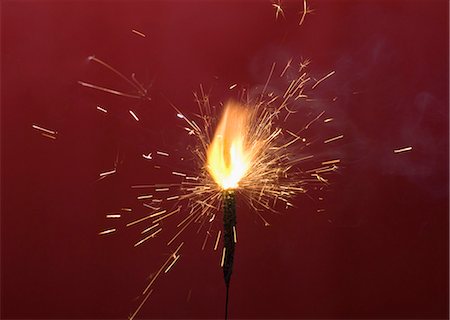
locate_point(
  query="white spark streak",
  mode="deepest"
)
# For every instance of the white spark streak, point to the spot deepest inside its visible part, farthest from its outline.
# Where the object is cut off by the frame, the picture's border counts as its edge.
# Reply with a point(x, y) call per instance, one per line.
point(403, 149)
point(146, 196)
point(101, 109)
point(148, 157)
point(44, 130)
point(217, 240)
point(331, 162)
point(334, 139)
point(323, 79)
point(165, 154)
point(138, 33)
point(149, 237)
point(107, 231)
point(107, 173)
point(134, 115)
point(150, 228)
point(112, 216)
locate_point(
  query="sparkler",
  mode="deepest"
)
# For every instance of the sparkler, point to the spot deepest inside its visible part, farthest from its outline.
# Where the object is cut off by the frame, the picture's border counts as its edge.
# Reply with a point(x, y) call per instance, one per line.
point(248, 153)
point(229, 159)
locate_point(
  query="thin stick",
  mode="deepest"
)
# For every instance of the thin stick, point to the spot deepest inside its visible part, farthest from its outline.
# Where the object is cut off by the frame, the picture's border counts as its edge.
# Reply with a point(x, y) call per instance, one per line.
point(226, 303)
point(229, 225)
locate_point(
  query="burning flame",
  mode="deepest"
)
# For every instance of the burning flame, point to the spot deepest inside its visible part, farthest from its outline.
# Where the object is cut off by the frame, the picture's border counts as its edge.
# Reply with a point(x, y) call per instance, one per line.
point(228, 156)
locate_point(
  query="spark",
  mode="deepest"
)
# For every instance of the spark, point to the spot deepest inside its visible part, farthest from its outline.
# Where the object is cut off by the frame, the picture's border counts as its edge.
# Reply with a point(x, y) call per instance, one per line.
point(319, 178)
point(223, 256)
point(148, 237)
point(286, 68)
point(138, 33)
point(149, 228)
point(48, 136)
point(303, 64)
point(160, 270)
point(107, 173)
point(269, 77)
point(168, 215)
point(173, 262)
point(158, 213)
point(138, 221)
point(234, 234)
point(151, 207)
point(113, 216)
point(327, 169)
point(403, 149)
point(102, 109)
point(50, 133)
point(206, 239)
point(233, 86)
point(164, 154)
point(328, 120)
point(147, 156)
point(331, 161)
point(278, 9)
point(131, 317)
point(141, 186)
point(107, 231)
point(145, 196)
point(112, 91)
point(323, 79)
point(305, 158)
point(334, 139)
point(126, 209)
point(134, 115)
point(217, 240)
point(304, 12)
point(141, 91)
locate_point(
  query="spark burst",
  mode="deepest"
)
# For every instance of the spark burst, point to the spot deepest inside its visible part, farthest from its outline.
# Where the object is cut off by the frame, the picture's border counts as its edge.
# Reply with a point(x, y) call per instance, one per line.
point(242, 150)
point(273, 164)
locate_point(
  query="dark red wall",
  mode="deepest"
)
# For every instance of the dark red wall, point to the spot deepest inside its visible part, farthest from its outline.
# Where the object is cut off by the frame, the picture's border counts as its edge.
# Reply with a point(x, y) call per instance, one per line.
point(381, 249)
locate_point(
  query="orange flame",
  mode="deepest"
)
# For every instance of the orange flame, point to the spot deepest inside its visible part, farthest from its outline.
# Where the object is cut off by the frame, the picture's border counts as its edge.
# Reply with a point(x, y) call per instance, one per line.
point(228, 156)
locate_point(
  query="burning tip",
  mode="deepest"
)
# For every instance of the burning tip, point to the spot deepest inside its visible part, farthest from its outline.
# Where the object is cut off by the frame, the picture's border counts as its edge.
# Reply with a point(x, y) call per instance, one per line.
point(229, 156)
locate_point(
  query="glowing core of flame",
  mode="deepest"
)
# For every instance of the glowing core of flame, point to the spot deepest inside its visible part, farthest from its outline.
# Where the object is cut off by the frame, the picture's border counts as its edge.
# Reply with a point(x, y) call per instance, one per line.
point(228, 156)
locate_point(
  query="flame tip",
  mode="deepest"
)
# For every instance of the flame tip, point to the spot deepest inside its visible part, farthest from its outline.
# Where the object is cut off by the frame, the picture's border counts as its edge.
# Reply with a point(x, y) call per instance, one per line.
point(228, 156)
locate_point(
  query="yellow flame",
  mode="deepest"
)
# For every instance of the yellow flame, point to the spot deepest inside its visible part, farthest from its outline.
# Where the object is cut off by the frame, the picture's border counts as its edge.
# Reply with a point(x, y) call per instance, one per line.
point(228, 157)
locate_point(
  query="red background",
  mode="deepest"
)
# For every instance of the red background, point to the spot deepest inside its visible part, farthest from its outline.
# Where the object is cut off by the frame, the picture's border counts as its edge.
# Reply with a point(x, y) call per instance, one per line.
point(380, 251)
